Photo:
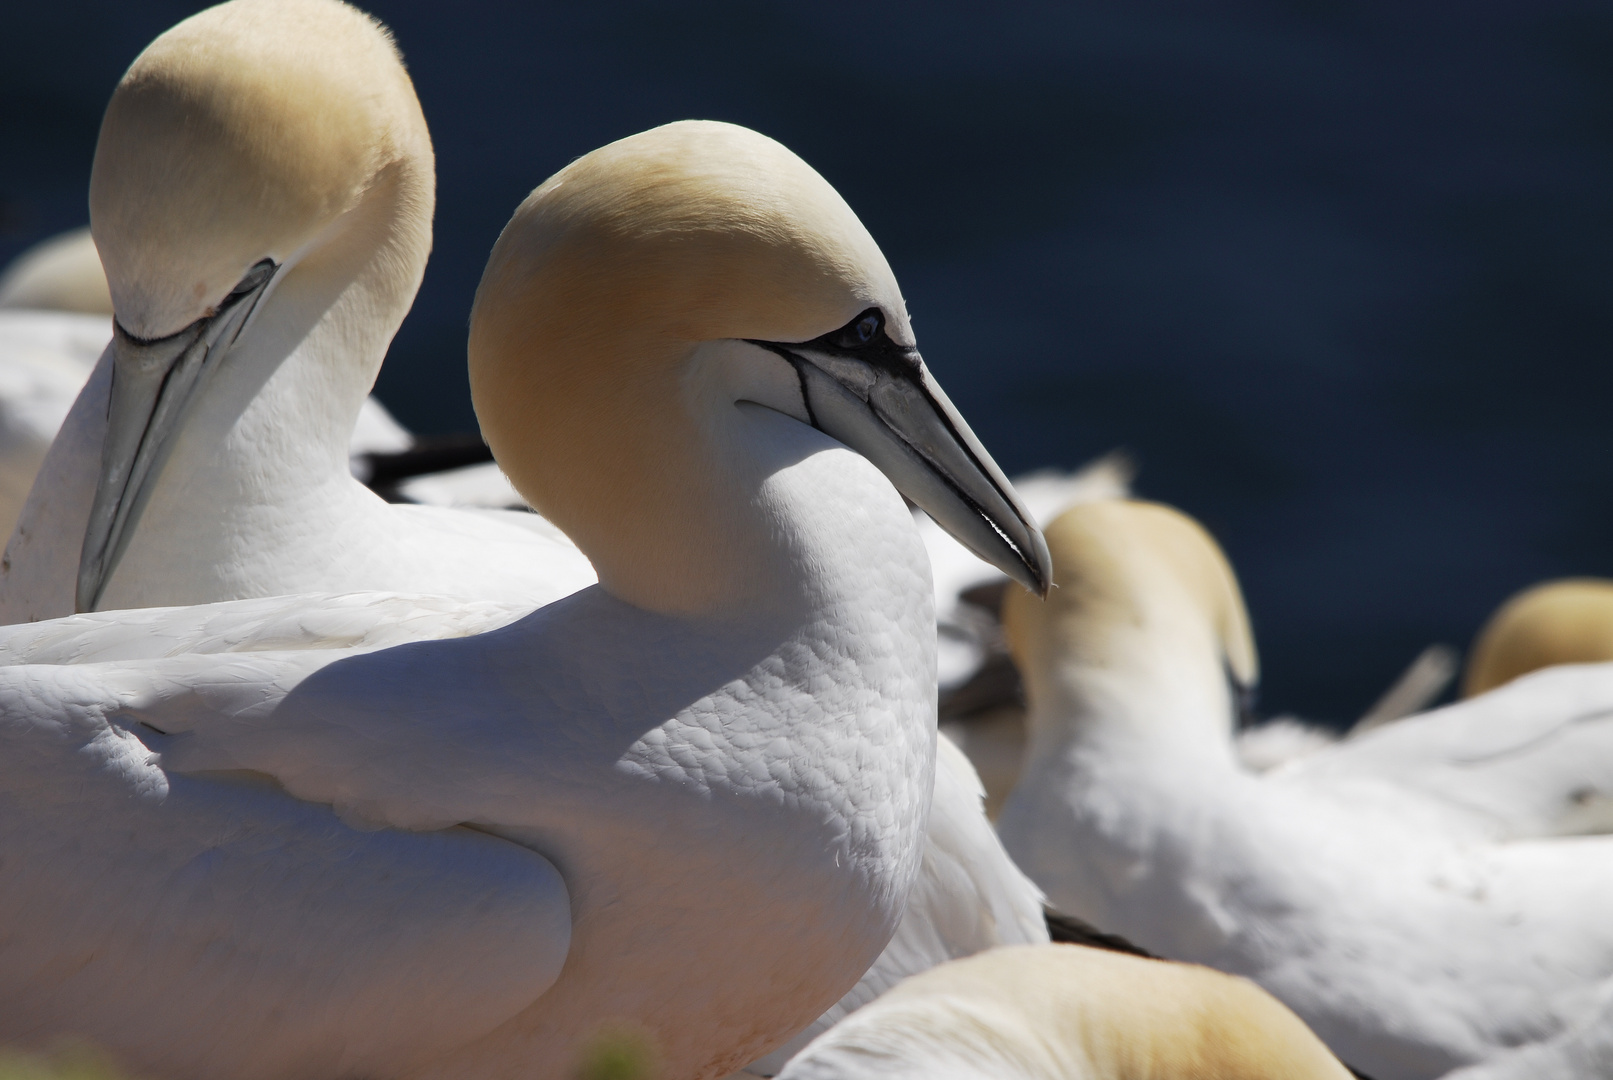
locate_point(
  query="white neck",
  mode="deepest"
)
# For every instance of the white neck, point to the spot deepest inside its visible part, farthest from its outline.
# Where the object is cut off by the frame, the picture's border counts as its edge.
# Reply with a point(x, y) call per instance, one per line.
point(665, 474)
point(1154, 692)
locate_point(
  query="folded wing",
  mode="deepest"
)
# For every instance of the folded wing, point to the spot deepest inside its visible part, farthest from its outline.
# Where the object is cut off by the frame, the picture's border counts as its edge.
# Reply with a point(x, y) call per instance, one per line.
point(206, 924)
point(1533, 758)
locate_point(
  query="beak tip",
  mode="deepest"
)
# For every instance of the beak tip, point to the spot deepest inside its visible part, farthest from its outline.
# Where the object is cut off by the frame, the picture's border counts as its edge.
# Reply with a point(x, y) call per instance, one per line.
point(1040, 564)
point(1032, 569)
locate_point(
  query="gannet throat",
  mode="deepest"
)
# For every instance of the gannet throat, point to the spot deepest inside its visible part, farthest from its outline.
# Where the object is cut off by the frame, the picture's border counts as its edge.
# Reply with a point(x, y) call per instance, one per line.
point(153, 384)
point(878, 398)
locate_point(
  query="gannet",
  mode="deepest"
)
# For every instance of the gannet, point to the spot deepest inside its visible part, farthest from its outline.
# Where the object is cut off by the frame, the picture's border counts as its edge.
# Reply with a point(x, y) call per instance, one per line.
point(972, 888)
point(1065, 1012)
point(45, 357)
point(61, 273)
point(683, 807)
point(972, 897)
point(1556, 622)
point(1405, 892)
point(55, 320)
point(261, 198)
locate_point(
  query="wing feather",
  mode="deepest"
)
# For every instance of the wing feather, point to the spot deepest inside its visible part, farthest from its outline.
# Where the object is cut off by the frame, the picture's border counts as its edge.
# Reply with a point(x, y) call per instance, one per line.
point(212, 924)
point(1530, 759)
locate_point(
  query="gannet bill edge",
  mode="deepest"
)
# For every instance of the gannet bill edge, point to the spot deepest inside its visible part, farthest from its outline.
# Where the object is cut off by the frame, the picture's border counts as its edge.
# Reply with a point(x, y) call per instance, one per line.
point(153, 381)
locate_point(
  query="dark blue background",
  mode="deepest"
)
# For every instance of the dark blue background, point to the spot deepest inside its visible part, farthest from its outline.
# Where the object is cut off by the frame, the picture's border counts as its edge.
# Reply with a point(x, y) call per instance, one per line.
point(1337, 272)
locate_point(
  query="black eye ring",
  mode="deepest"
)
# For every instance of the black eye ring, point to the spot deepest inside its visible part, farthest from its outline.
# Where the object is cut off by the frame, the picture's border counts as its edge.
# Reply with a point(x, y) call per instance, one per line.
point(861, 331)
point(260, 272)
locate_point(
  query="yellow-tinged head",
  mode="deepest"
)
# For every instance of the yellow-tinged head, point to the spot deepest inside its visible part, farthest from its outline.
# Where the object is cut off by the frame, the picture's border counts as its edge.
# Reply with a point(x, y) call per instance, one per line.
point(62, 273)
point(1048, 1012)
point(1558, 622)
point(648, 287)
point(1141, 592)
point(245, 133)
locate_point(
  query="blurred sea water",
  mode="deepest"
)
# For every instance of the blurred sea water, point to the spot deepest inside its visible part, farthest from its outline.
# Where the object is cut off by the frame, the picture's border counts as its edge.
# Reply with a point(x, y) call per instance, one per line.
point(1339, 274)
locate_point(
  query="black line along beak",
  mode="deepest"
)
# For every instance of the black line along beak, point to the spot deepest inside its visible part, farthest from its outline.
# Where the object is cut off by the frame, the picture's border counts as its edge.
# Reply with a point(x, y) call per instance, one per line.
point(153, 385)
point(878, 398)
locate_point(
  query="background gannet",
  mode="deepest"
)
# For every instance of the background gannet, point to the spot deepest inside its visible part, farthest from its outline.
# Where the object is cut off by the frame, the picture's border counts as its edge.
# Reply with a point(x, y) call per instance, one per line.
point(1556, 622)
point(46, 353)
point(1064, 1012)
point(1405, 892)
point(703, 783)
point(982, 701)
point(1270, 743)
point(261, 199)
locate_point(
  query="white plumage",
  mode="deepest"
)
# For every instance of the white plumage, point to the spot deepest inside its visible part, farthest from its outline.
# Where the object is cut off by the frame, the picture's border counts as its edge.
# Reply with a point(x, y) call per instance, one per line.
point(1063, 1012)
point(482, 487)
point(1409, 893)
point(55, 322)
point(211, 535)
point(969, 897)
point(45, 356)
point(724, 750)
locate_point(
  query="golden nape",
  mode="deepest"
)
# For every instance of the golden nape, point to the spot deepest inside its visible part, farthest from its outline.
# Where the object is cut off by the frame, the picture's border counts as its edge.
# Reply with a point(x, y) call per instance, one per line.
point(1067, 1012)
point(1556, 622)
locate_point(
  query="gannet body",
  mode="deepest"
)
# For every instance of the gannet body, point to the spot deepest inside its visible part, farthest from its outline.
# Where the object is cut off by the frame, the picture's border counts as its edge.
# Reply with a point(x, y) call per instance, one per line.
point(1406, 892)
point(1585, 1050)
point(968, 897)
point(215, 464)
point(701, 786)
point(1275, 742)
point(1066, 1012)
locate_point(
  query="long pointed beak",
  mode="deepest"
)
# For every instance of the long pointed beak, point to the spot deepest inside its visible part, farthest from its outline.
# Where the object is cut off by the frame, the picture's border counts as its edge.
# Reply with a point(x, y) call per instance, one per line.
point(883, 403)
point(153, 385)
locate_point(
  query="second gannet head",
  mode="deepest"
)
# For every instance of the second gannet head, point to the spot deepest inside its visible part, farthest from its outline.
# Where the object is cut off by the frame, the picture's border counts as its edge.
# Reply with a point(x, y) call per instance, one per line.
point(1145, 625)
point(62, 273)
point(1067, 1012)
point(649, 290)
point(263, 154)
point(1557, 622)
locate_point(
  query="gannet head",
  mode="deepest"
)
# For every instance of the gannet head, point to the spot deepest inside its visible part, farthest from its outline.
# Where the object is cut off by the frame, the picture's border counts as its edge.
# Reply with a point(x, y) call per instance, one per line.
point(1027, 1011)
point(704, 264)
point(255, 143)
point(1557, 622)
point(1144, 604)
point(59, 274)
